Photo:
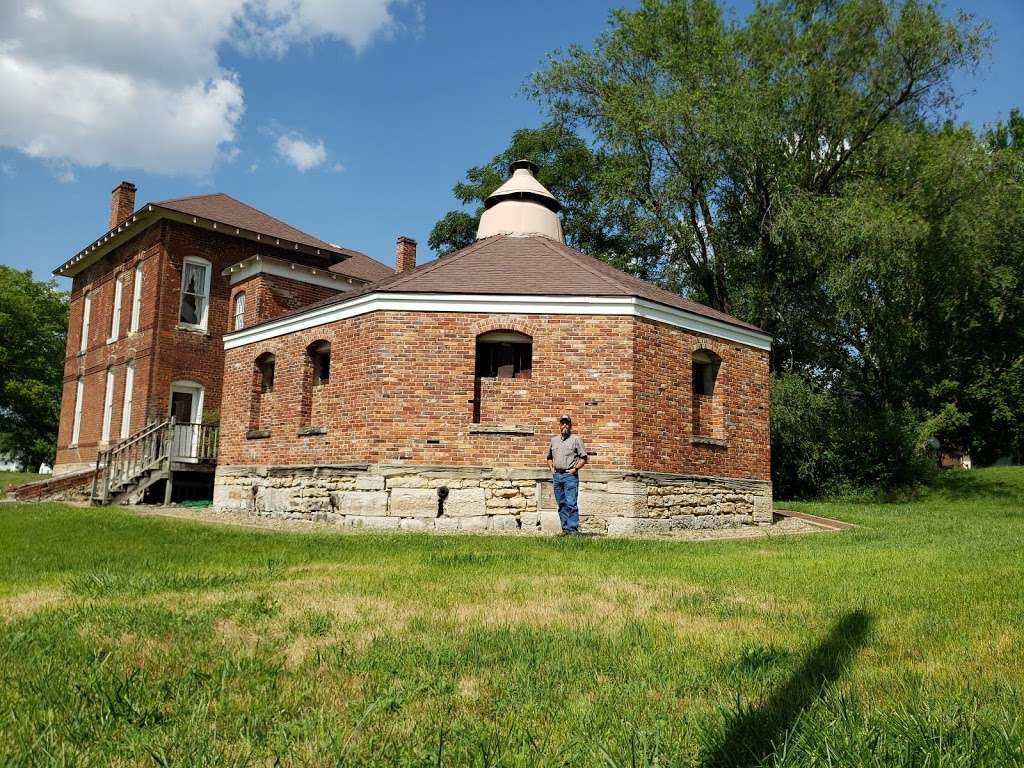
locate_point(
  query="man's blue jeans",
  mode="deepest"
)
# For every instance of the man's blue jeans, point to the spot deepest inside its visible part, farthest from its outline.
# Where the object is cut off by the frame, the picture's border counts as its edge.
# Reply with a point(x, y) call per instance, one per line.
point(566, 488)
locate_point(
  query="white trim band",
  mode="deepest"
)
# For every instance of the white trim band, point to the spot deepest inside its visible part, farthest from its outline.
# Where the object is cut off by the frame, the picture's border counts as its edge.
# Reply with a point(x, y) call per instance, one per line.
point(503, 305)
point(302, 273)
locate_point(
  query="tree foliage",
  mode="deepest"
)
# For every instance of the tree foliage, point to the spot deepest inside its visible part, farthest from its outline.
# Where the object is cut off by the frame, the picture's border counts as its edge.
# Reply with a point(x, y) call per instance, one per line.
point(798, 170)
point(33, 326)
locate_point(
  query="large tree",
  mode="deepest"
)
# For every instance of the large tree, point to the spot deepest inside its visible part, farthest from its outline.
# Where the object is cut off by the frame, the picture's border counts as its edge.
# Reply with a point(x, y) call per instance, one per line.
point(33, 329)
point(605, 226)
point(795, 170)
point(717, 131)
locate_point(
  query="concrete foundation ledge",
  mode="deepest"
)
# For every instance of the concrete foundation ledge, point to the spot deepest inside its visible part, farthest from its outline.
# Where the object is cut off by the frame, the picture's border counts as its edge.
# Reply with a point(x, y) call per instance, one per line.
point(500, 499)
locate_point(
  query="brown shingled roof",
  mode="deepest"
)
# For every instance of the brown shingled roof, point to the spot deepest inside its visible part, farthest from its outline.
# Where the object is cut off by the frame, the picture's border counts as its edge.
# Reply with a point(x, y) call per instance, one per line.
point(361, 266)
point(533, 265)
point(227, 210)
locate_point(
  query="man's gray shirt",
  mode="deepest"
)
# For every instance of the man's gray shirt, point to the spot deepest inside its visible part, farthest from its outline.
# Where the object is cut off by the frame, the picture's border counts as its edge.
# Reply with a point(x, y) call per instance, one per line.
point(564, 453)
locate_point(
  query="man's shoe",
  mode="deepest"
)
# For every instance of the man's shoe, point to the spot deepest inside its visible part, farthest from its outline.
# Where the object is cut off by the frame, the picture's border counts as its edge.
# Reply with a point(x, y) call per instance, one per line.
point(564, 532)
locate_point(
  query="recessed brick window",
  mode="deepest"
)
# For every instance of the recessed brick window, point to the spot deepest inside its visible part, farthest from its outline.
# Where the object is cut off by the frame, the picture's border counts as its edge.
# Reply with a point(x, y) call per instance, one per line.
point(265, 370)
point(261, 397)
point(504, 363)
point(706, 406)
point(504, 355)
point(320, 357)
point(316, 375)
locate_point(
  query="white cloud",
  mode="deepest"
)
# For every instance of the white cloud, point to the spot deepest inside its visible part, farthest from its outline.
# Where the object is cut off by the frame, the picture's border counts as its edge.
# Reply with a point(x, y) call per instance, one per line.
point(301, 154)
point(140, 85)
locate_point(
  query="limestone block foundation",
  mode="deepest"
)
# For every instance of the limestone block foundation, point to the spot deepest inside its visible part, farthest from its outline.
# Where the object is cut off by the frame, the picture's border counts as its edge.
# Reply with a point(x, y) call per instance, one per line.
point(425, 498)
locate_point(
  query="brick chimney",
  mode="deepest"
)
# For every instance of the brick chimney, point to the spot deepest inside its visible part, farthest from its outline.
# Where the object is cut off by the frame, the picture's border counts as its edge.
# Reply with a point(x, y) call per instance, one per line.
point(405, 254)
point(122, 203)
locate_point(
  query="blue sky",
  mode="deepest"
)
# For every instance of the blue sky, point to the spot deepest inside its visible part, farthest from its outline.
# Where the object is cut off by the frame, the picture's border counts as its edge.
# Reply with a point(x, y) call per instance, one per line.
point(350, 120)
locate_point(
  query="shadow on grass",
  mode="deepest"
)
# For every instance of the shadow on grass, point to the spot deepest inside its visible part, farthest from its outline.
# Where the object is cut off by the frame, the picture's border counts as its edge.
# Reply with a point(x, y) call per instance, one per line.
point(971, 485)
point(751, 735)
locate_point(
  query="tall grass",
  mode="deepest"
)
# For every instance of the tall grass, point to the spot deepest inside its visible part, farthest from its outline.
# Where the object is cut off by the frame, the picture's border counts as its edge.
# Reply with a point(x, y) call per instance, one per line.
point(141, 641)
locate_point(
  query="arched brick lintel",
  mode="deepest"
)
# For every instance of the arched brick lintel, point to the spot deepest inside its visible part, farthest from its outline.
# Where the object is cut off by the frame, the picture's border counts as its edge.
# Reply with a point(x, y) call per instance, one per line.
point(502, 323)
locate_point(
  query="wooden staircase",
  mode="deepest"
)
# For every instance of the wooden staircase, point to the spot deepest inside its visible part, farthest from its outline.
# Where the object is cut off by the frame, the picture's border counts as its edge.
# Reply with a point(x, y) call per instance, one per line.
point(154, 453)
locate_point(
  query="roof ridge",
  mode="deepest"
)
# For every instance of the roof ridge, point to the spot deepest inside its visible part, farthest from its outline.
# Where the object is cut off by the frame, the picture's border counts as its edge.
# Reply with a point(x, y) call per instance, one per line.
point(195, 197)
point(573, 254)
point(437, 263)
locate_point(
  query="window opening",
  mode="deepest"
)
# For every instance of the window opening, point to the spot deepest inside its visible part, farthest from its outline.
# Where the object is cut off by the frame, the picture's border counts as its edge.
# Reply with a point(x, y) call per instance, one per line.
point(320, 354)
point(136, 299)
point(86, 311)
point(504, 355)
point(126, 403)
point(76, 428)
point(239, 321)
point(115, 315)
point(265, 366)
point(195, 292)
point(108, 406)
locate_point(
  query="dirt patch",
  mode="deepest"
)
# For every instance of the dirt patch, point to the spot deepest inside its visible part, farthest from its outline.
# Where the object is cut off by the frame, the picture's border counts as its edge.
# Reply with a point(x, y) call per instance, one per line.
point(24, 603)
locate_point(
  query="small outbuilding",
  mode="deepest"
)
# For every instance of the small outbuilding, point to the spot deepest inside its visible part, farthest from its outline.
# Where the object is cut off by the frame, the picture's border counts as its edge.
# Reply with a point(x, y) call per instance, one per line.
point(426, 400)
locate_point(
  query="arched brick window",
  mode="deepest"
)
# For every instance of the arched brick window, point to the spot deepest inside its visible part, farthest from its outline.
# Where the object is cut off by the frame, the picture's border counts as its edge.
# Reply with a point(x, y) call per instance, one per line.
point(316, 374)
point(262, 388)
point(504, 364)
point(238, 312)
point(504, 355)
point(707, 405)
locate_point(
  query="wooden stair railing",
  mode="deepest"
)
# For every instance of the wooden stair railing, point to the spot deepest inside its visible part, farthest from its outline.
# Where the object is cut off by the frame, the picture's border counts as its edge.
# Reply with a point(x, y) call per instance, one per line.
point(152, 449)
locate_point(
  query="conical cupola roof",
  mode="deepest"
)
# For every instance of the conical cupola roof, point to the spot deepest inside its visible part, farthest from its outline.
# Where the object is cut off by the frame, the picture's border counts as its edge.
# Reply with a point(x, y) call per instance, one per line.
point(521, 207)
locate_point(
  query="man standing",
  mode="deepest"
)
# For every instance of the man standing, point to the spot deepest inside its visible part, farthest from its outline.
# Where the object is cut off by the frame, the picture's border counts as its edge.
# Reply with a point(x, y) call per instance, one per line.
point(566, 455)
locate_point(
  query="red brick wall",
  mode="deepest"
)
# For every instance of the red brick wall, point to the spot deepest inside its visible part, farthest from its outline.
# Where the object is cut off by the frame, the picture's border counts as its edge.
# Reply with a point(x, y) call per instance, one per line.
point(163, 352)
point(268, 296)
point(399, 379)
point(664, 406)
point(99, 355)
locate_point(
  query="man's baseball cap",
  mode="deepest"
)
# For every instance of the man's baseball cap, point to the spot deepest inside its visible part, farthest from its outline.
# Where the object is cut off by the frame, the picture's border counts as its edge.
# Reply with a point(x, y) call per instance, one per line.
point(565, 420)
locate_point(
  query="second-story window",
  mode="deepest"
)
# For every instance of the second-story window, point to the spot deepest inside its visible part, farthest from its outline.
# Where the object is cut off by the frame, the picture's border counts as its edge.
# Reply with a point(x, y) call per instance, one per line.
point(195, 292)
point(86, 311)
point(239, 314)
point(115, 315)
point(136, 298)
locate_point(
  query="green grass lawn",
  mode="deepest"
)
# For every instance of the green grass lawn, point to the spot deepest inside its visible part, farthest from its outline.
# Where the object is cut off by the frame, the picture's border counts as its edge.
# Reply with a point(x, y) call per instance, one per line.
point(132, 640)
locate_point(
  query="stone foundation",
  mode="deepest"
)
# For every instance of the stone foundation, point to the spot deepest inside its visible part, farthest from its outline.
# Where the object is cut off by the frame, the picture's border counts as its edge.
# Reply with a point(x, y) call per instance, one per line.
point(422, 498)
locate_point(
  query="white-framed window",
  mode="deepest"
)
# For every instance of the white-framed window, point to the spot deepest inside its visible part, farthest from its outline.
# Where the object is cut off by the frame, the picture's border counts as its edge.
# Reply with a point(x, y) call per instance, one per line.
point(108, 406)
point(136, 299)
point(239, 313)
point(195, 292)
point(126, 403)
point(115, 316)
point(76, 428)
point(86, 311)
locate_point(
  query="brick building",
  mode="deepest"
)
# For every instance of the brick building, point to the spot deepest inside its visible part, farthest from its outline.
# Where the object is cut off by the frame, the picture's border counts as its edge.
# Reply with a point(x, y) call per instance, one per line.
point(425, 400)
point(420, 398)
point(151, 301)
